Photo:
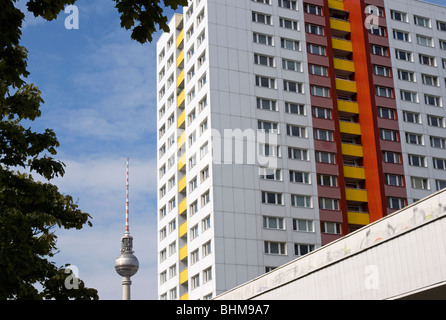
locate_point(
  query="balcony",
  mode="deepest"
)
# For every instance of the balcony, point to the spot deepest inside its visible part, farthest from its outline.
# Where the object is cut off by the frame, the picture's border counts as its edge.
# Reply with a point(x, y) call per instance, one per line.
point(336, 4)
point(180, 39)
point(180, 79)
point(348, 106)
point(183, 229)
point(342, 46)
point(354, 172)
point(185, 296)
point(180, 99)
point(182, 162)
point(339, 27)
point(353, 150)
point(346, 85)
point(350, 128)
point(183, 253)
point(345, 65)
point(180, 60)
point(181, 140)
point(359, 195)
point(360, 218)
point(181, 119)
point(182, 184)
point(184, 275)
point(182, 207)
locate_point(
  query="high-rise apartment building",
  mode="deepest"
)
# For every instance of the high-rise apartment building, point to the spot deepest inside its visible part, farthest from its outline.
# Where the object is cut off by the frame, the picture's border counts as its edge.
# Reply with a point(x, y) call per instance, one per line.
point(284, 125)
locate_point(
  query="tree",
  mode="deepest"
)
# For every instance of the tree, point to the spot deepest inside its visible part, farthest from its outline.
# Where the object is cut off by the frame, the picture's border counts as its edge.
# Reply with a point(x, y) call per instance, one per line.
point(30, 210)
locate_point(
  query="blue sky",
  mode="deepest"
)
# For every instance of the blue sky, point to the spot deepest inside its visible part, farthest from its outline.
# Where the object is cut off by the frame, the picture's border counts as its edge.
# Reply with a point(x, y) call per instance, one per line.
point(99, 88)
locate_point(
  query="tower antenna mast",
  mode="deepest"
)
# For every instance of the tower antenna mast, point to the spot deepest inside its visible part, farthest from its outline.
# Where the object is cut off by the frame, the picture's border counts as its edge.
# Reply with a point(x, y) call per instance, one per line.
point(126, 265)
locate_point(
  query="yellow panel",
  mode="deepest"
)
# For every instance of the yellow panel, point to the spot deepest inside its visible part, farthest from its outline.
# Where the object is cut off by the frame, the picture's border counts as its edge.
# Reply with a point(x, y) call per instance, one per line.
point(343, 45)
point(181, 98)
point(181, 119)
point(354, 172)
point(182, 184)
point(348, 106)
point(183, 252)
point(180, 58)
point(358, 218)
point(181, 140)
point(184, 276)
point(346, 85)
point(182, 162)
point(180, 78)
point(336, 4)
point(180, 38)
point(185, 296)
point(182, 206)
point(345, 65)
point(340, 25)
point(356, 195)
point(183, 229)
point(352, 150)
point(350, 127)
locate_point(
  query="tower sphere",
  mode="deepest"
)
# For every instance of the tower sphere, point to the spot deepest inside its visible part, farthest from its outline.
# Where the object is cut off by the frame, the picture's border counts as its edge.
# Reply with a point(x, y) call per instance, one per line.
point(126, 265)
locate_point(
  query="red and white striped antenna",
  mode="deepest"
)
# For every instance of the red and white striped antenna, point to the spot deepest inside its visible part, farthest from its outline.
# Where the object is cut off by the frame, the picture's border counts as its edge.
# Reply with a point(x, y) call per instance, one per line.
point(127, 232)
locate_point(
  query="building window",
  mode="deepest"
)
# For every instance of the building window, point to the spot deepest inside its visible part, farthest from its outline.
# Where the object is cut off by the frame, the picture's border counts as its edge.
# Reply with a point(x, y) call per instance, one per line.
point(264, 60)
point(294, 108)
point(406, 75)
point(439, 163)
point(325, 157)
point(297, 154)
point(266, 104)
point(288, 24)
point(437, 142)
point(331, 227)
point(417, 161)
point(440, 184)
point(411, 117)
point(292, 86)
point(391, 157)
point(205, 198)
point(265, 82)
point(316, 49)
point(272, 198)
point(261, 18)
point(398, 16)
point(394, 180)
point(328, 204)
point(325, 135)
point(301, 201)
point(314, 29)
point(414, 138)
point(432, 100)
point(396, 203)
point(296, 131)
point(409, 96)
point(313, 9)
point(292, 65)
point(270, 174)
point(389, 135)
point(386, 113)
point(207, 275)
point(427, 60)
point(327, 180)
point(288, 4)
point(275, 247)
point(403, 55)
point(435, 121)
point(273, 223)
point(419, 183)
point(320, 91)
point(263, 39)
point(300, 177)
point(302, 249)
point(422, 21)
point(303, 225)
point(401, 35)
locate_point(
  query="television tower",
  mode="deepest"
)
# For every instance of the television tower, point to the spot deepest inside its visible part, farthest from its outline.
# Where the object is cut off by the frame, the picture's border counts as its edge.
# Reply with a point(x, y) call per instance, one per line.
point(126, 265)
